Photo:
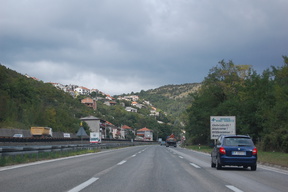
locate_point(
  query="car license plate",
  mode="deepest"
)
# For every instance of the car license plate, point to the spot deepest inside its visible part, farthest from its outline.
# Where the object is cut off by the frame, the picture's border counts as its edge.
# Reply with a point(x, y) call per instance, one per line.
point(238, 152)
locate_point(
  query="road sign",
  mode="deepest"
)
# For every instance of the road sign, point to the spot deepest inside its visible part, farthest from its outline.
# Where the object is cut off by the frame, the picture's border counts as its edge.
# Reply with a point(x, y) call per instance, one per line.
point(222, 125)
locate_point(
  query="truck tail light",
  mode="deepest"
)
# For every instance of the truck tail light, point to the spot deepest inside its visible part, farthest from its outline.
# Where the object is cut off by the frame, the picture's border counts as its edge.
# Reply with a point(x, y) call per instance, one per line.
point(222, 150)
point(254, 151)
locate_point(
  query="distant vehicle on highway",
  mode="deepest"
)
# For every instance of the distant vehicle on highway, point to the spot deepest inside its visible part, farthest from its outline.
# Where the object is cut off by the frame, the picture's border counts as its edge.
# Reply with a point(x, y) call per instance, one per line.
point(234, 150)
point(162, 143)
point(95, 137)
point(18, 135)
point(171, 141)
point(41, 131)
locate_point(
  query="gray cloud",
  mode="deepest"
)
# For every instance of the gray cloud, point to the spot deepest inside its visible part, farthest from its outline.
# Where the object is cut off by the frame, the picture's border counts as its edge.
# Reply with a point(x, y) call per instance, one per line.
point(127, 45)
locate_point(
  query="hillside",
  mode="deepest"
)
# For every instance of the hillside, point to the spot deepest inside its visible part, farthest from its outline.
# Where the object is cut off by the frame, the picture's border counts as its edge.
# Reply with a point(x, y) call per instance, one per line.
point(25, 102)
point(175, 91)
point(172, 100)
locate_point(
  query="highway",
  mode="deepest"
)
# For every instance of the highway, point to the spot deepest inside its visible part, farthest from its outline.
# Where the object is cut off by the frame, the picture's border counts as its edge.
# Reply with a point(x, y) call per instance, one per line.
point(139, 169)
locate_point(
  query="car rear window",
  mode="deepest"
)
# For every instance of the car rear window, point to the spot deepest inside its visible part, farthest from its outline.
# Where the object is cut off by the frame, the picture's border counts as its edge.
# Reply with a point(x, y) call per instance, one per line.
point(238, 141)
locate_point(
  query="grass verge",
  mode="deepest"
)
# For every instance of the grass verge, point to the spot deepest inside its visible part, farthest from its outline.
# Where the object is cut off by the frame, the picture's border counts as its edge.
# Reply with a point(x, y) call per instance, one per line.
point(28, 158)
point(274, 158)
point(270, 158)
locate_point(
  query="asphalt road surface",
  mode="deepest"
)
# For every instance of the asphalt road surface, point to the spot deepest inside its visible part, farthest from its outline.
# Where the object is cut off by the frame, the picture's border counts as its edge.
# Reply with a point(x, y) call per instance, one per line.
point(139, 169)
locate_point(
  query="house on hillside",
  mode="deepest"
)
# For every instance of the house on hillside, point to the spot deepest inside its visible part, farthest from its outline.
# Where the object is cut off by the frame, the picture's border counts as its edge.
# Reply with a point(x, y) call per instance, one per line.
point(138, 105)
point(108, 97)
point(153, 112)
point(90, 103)
point(145, 134)
point(110, 103)
point(129, 98)
point(131, 109)
point(59, 86)
point(133, 103)
point(82, 90)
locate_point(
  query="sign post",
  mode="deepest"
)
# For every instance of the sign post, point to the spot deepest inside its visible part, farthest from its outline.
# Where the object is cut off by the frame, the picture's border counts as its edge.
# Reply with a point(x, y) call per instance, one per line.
point(222, 125)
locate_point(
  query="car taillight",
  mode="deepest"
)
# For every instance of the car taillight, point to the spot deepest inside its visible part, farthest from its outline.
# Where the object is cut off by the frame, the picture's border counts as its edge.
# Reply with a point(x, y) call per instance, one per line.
point(254, 151)
point(222, 150)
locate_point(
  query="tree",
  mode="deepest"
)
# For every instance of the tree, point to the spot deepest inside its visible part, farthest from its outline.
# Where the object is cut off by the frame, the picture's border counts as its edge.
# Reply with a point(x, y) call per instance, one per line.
point(217, 97)
point(259, 102)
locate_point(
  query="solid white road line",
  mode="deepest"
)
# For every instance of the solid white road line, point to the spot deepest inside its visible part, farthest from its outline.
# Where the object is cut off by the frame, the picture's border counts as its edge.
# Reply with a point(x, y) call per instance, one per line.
point(83, 185)
point(194, 165)
point(274, 169)
point(235, 189)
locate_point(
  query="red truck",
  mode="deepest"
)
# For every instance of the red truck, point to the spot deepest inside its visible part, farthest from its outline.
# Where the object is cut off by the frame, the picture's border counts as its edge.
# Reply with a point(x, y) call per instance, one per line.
point(171, 141)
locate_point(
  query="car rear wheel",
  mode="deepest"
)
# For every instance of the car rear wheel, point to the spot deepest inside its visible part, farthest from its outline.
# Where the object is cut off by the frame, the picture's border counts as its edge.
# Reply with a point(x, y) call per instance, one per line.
point(213, 164)
point(218, 165)
point(254, 167)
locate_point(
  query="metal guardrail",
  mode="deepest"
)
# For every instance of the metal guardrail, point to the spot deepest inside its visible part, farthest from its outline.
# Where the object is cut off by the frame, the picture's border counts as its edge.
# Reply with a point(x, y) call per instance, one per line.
point(18, 150)
point(39, 139)
point(30, 149)
point(56, 139)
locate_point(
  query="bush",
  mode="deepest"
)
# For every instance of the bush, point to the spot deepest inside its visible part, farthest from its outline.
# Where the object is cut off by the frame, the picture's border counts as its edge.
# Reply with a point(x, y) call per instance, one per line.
point(284, 145)
point(274, 142)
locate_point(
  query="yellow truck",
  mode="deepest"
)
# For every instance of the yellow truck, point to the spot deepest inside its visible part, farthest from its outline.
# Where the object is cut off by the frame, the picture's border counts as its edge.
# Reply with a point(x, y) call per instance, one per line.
point(41, 131)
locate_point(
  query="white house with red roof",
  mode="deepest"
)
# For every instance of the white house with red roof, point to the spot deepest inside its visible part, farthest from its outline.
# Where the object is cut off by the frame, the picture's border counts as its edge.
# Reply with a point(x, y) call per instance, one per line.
point(82, 90)
point(145, 134)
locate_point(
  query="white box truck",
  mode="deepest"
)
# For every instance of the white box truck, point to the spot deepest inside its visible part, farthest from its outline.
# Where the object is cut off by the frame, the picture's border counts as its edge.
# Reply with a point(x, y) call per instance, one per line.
point(95, 137)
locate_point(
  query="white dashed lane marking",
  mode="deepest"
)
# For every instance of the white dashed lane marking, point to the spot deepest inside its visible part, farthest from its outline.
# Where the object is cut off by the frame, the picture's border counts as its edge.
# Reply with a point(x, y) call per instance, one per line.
point(83, 185)
point(235, 189)
point(122, 162)
point(194, 165)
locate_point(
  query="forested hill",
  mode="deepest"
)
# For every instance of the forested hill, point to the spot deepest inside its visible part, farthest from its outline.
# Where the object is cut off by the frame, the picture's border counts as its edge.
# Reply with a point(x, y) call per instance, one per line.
point(175, 91)
point(173, 100)
point(25, 102)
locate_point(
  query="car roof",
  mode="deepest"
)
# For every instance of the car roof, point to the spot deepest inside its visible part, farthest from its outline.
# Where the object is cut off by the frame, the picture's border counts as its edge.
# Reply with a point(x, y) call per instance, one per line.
point(246, 136)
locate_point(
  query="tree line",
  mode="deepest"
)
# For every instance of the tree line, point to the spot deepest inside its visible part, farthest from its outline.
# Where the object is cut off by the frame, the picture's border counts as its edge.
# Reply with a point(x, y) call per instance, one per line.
point(258, 101)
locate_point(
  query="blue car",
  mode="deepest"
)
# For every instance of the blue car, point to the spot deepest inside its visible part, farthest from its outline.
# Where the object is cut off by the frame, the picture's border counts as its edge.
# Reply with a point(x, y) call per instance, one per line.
point(234, 150)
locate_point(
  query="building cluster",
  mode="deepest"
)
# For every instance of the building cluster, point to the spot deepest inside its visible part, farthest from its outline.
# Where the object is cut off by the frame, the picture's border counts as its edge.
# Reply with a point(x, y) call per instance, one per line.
point(75, 90)
point(107, 130)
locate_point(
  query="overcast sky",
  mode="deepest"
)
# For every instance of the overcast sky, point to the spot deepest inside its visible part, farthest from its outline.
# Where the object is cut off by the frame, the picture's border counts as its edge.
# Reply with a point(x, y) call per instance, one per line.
point(120, 46)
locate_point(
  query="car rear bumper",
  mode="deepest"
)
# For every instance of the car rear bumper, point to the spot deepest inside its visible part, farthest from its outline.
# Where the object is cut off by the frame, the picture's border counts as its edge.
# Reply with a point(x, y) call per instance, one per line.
point(238, 161)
